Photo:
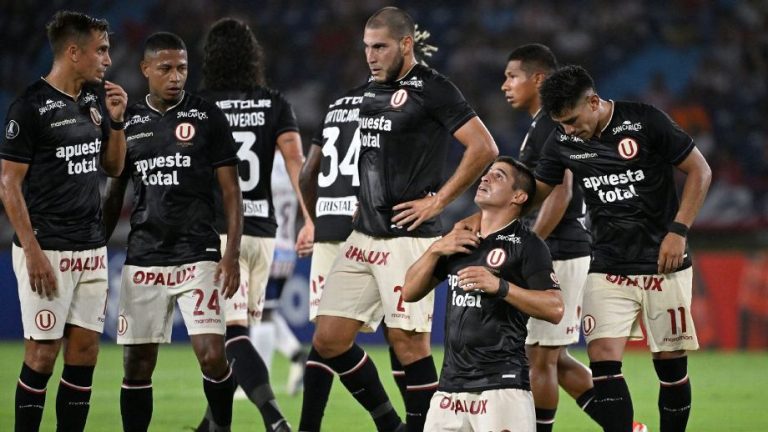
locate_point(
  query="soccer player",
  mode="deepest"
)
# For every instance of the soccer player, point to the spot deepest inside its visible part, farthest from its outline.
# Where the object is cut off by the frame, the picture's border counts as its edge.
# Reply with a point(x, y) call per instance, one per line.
point(179, 146)
point(57, 135)
point(406, 118)
point(496, 281)
point(560, 223)
point(261, 121)
point(624, 155)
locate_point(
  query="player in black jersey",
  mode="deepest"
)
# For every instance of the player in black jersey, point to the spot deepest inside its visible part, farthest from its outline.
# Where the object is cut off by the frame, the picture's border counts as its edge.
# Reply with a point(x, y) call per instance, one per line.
point(407, 116)
point(261, 121)
point(58, 133)
point(560, 223)
point(179, 147)
point(496, 281)
point(623, 155)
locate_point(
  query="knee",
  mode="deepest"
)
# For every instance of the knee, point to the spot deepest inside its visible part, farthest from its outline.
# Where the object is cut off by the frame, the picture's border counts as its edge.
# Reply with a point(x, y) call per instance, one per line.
point(41, 357)
point(212, 361)
point(138, 364)
point(543, 361)
point(84, 354)
point(605, 350)
point(409, 346)
point(329, 346)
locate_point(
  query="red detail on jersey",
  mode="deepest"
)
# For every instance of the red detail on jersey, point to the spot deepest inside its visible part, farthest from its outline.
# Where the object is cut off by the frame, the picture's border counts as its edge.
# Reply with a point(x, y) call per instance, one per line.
point(122, 325)
point(628, 148)
point(185, 131)
point(95, 116)
point(496, 257)
point(371, 257)
point(647, 283)
point(45, 320)
point(78, 264)
point(588, 324)
point(399, 98)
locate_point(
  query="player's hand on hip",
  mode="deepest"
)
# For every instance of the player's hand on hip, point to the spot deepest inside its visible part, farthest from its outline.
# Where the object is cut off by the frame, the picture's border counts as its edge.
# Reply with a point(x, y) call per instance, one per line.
point(228, 275)
point(478, 278)
point(671, 253)
point(117, 101)
point(305, 240)
point(459, 240)
point(41, 277)
point(414, 213)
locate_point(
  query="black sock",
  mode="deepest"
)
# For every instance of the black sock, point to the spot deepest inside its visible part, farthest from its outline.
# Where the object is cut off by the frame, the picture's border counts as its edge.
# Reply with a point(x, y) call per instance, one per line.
point(421, 377)
point(318, 379)
point(219, 392)
point(74, 397)
point(136, 405)
point(30, 398)
point(398, 373)
point(612, 401)
point(358, 374)
point(585, 403)
point(545, 419)
point(252, 375)
point(674, 393)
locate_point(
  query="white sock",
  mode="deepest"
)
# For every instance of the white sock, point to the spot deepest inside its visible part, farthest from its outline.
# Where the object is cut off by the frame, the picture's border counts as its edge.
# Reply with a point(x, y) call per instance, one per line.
point(263, 339)
point(285, 340)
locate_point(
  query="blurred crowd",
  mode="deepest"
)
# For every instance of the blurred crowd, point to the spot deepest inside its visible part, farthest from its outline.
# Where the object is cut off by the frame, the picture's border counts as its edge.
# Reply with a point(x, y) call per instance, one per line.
point(705, 62)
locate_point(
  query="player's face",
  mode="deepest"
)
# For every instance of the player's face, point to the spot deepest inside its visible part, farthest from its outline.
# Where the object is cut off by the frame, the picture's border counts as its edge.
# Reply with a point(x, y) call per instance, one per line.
point(520, 88)
point(166, 71)
point(581, 120)
point(92, 57)
point(497, 187)
point(384, 54)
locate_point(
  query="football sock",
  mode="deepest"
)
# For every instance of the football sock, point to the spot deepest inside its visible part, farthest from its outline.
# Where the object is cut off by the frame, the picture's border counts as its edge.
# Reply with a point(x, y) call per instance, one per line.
point(358, 374)
point(318, 379)
point(585, 403)
point(545, 419)
point(421, 379)
point(251, 373)
point(263, 339)
point(30, 398)
point(612, 400)
point(136, 405)
point(285, 341)
point(74, 397)
point(674, 393)
point(397, 373)
point(219, 392)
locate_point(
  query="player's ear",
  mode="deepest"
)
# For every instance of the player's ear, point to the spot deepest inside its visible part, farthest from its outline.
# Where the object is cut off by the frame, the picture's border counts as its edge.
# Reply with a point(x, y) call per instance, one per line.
point(406, 44)
point(72, 52)
point(594, 101)
point(144, 66)
point(519, 197)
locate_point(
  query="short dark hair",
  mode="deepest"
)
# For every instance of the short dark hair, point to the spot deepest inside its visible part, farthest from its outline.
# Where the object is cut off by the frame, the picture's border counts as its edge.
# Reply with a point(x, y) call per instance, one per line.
point(563, 89)
point(524, 180)
point(232, 57)
point(534, 58)
point(163, 41)
point(399, 23)
point(68, 26)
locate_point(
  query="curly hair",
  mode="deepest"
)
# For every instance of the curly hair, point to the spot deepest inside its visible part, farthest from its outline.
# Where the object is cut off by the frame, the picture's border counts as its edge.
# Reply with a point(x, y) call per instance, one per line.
point(232, 57)
point(564, 88)
point(68, 26)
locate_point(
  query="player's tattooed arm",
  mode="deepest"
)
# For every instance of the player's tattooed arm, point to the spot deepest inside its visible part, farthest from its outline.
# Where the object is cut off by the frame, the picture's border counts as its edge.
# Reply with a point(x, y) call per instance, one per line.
point(554, 207)
point(41, 278)
point(480, 150)
point(228, 270)
point(113, 203)
point(697, 180)
point(113, 154)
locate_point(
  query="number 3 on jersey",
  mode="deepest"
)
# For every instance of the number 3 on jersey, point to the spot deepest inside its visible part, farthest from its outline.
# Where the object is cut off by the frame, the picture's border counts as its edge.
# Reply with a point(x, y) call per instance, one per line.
point(247, 154)
point(348, 165)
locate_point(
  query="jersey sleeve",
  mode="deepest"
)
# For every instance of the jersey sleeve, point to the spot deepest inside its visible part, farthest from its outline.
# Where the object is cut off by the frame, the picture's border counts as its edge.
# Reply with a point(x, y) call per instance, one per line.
point(18, 144)
point(669, 139)
point(537, 266)
point(441, 269)
point(286, 119)
point(223, 149)
point(446, 103)
point(550, 168)
point(317, 138)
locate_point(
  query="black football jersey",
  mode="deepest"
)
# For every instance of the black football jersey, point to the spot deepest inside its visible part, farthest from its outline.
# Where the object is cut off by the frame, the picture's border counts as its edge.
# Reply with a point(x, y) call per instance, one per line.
point(339, 178)
point(570, 238)
point(485, 335)
point(171, 160)
point(60, 138)
point(256, 119)
point(627, 178)
point(405, 130)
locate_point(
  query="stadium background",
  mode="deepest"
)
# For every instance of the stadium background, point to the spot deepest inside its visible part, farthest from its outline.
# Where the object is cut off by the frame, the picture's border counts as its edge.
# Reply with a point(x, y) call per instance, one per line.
point(704, 62)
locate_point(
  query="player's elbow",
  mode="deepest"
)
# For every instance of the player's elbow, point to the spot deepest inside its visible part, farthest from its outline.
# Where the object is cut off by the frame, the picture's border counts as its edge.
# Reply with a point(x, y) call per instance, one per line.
point(557, 310)
point(113, 167)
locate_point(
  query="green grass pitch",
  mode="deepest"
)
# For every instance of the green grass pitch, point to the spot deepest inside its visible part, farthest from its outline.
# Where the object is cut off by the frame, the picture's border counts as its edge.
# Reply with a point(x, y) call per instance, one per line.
point(729, 393)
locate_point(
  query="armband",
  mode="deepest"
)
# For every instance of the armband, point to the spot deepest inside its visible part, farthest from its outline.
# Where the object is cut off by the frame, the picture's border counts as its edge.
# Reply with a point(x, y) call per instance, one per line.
point(678, 228)
point(116, 125)
point(503, 289)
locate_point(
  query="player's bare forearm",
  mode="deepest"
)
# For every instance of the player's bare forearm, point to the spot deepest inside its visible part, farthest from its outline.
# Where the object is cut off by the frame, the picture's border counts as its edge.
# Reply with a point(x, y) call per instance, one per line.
point(113, 151)
point(418, 279)
point(542, 192)
point(11, 177)
point(232, 199)
point(697, 180)
point(544, 305)
point(113, 203)
point(308, 179)
point(554, 207)
point(289, 144)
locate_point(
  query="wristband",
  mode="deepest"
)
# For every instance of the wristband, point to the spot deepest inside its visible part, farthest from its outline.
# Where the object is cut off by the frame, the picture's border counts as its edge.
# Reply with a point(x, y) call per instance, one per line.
point(116, 125)
point(503, 288)
point(678, 228)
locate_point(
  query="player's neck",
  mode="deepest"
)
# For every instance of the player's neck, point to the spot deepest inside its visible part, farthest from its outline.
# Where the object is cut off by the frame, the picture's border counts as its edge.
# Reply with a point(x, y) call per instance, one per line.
point(160, 105)
point(409, 63)
point(534, 108)
point(64, 81)
point(605, 114)
point(492, 221)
